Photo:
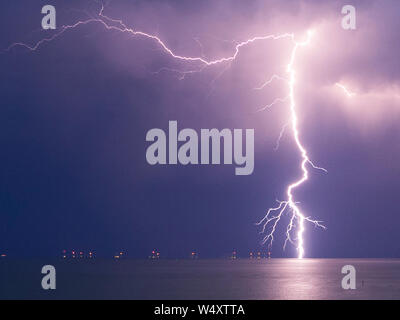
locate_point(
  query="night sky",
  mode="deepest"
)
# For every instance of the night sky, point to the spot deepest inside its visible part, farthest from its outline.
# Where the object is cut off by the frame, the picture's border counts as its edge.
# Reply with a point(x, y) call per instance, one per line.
point(74, 116)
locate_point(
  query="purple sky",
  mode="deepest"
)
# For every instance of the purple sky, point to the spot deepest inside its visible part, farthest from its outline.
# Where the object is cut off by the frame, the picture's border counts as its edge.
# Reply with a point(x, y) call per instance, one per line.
point(75, 113)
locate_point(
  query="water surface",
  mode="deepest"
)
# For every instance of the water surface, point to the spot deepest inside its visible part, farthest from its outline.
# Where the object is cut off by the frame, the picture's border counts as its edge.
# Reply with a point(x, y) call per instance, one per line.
point(202, 279)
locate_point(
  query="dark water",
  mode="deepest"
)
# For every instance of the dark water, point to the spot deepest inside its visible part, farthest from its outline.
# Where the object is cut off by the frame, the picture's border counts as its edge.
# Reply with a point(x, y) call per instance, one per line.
point(202, 279)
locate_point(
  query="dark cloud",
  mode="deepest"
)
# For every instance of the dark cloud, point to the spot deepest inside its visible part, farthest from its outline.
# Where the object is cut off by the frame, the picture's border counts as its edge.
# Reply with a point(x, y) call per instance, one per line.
point(75, 113)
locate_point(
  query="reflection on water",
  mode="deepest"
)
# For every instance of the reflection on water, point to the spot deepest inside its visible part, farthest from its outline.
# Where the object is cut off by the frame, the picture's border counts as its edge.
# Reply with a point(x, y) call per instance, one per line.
point(203, 279)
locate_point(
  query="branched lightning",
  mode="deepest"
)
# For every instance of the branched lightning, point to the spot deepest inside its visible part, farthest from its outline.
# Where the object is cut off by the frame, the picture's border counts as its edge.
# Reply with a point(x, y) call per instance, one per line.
point(269, 223)
point(281, 133)
point(274, 215)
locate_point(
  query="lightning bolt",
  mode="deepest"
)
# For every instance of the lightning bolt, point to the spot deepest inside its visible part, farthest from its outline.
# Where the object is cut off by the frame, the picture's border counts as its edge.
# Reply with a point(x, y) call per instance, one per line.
point(345, 90)
point(274, 215)
point(271, 219)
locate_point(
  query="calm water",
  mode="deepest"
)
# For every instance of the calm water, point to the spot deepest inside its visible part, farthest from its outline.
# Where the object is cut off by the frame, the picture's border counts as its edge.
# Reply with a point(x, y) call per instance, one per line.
point(202, 279)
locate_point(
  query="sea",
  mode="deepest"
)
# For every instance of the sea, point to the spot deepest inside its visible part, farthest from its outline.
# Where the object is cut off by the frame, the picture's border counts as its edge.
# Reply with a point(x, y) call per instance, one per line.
point(219, 279)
